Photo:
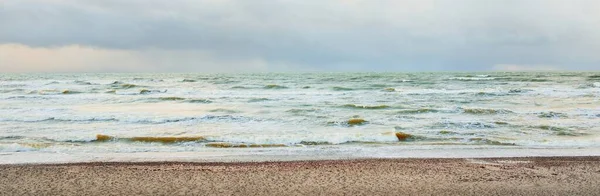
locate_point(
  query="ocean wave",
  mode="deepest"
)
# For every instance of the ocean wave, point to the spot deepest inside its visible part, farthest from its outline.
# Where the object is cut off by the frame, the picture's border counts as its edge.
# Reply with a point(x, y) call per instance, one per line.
point(188, 80)
point(54, 92)
point(485, 111)
point(471, 78)
point(350, 122)
point(148, 79)
point(488, 94)
point(379, 85)
point(389, 89)
point(241, 145)
point(463, 125)
point(552, 115)
point(16, 147)
point(560, 131)
point(69, 92)
point(385, 138)
point(104, 138)
point(53, 82)
point(12, 90)
point(337, 88)
point(9, 85)
point(589, 85)
point(203, 118)
point(315, 143)
point(121, 85)
point(489, 142)
point(58, 119)
point(134, 92)
point(82, 82)
point(28, 97)
point(225, 82)
point(135, 121)
point(252, 100)
point(162, 121)
point(519, 90)
point(198, 101)
point(418, 111)
point(146, 91)
point(175, 99)
point(511, 79)
point(368, 107)
point(594, 77)
point(274, 86)
point(223, 110)
point(299, 111)
point(240, 87)
point(171, 98)
point(12, 137)
point(332, 139)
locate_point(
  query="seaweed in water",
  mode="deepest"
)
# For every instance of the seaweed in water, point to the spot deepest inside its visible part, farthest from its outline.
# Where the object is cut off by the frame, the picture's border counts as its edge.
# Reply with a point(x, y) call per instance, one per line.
point(403, 136)
point(356, 121)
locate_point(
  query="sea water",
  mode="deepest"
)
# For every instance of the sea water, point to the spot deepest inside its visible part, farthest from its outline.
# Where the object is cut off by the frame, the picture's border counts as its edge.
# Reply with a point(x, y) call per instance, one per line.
point(296, 114)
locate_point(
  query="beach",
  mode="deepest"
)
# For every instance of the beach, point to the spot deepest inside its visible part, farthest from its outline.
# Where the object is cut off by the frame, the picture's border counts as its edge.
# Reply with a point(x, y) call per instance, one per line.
point(408, 176)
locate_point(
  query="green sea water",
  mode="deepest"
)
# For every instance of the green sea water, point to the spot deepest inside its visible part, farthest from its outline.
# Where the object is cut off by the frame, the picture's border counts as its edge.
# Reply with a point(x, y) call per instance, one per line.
point(284, 112)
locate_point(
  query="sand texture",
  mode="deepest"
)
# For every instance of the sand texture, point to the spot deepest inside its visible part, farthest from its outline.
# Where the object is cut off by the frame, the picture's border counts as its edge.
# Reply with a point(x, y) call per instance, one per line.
point(500, 176)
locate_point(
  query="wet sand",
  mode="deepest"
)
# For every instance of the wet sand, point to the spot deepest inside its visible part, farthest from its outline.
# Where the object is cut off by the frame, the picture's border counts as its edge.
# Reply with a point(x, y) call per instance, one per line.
point(484, 176)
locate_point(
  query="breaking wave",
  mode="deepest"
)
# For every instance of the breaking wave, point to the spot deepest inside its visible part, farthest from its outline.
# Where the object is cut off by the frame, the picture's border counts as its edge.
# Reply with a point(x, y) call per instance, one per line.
point(225, 118)
point(471, 78)
point(368, 107)
point(57, 119)
point(274, 86)
point(485, 111)
point(418, 111)
point(188, 80)
point(337, 88)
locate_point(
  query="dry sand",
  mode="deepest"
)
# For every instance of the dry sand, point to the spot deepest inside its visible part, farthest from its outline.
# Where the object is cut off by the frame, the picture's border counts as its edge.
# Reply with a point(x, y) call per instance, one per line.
point(500, 176)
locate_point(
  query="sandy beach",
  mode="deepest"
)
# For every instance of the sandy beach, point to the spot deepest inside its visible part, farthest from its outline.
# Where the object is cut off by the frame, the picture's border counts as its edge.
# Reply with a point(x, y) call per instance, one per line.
point(482, 176)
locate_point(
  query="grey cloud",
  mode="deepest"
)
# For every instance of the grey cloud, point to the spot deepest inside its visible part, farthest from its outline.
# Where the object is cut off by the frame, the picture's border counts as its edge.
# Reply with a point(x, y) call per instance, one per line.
point(324, 35)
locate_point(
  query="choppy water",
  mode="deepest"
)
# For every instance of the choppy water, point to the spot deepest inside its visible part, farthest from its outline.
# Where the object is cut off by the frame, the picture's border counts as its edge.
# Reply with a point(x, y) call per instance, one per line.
point(96, 113)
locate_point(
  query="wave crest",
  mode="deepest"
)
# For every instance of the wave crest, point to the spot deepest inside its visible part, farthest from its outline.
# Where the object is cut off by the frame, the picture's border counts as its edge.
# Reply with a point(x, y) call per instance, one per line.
point(373, 107)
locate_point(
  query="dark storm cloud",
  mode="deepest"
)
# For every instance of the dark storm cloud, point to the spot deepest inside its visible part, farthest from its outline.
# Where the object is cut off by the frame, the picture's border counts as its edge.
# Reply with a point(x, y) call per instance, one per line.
point(322, 35)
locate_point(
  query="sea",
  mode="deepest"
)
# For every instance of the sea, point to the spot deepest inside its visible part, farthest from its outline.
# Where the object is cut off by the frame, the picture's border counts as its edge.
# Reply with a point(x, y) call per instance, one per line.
point(46, 118)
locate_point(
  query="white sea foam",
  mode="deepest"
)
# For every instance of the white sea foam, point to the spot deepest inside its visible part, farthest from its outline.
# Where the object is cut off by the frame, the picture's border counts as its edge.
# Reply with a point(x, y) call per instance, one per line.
point(471, 78)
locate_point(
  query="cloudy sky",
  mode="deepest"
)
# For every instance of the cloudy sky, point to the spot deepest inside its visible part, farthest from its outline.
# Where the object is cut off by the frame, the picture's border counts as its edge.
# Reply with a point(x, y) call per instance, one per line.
point(294, 35)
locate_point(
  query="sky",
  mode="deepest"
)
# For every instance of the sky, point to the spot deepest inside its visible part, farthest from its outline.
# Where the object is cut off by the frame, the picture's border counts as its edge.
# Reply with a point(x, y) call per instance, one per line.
point(298, 36)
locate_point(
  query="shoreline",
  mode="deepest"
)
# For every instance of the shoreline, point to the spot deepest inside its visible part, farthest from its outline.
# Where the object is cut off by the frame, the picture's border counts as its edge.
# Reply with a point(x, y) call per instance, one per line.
point(299, 154)
point(396, 176)
point(308, 161)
